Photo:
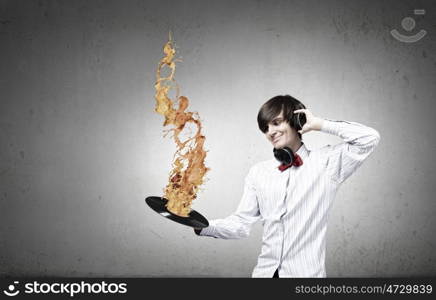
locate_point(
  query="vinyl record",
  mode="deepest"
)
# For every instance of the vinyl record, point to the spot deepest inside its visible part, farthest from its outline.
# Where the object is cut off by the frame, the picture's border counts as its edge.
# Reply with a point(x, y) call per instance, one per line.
point(158, 204)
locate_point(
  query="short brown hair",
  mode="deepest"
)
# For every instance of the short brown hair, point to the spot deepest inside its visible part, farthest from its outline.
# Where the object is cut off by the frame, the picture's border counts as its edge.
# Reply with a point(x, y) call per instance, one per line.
point(274, 106)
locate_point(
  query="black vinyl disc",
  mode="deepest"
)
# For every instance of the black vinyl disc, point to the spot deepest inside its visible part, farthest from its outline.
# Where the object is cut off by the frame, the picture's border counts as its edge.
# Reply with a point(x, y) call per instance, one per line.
point(158, 204)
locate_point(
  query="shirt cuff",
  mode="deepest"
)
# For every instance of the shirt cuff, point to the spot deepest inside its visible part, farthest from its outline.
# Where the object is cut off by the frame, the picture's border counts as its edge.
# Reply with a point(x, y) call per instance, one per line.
point(207, 231)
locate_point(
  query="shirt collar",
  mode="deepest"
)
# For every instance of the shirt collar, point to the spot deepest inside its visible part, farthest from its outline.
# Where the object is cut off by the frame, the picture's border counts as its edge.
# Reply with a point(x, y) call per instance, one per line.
point(302, 151)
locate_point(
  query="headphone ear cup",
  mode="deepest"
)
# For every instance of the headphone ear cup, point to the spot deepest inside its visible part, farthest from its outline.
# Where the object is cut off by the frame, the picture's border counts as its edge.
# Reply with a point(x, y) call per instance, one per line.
point(284, 155)
point(300, 118)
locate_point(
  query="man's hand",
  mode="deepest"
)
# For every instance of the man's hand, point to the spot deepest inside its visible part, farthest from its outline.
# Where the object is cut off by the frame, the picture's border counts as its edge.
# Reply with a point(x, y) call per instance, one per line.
point(312, 122)
point(197, 230)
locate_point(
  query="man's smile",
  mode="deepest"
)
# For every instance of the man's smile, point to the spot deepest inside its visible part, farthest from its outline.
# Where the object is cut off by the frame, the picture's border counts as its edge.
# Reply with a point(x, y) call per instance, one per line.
point(275, 140)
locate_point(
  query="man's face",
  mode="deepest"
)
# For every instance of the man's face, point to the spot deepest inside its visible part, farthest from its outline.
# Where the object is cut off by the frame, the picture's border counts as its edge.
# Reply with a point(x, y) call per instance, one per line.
point(280, 133)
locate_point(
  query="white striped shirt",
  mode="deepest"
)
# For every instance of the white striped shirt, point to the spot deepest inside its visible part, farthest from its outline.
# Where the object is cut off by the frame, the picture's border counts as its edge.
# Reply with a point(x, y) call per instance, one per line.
point(293, 205)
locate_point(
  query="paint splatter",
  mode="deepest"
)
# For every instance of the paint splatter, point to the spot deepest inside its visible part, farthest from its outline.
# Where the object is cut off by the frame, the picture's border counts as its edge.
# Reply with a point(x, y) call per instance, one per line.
point(188, 163)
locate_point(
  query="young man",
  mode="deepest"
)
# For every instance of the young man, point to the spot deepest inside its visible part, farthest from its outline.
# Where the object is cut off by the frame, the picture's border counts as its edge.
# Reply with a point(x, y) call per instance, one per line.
point(293, 201)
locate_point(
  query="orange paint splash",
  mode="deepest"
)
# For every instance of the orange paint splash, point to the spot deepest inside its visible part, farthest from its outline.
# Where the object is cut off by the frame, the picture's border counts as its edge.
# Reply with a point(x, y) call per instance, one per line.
point(188, 163)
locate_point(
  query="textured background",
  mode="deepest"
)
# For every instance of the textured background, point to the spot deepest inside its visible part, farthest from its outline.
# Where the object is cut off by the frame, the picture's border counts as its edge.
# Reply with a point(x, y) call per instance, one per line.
point(81, 145)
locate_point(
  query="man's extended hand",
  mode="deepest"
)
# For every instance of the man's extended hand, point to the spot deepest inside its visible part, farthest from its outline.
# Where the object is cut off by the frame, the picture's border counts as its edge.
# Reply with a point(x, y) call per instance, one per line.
point(312, 122)
point(197, 230)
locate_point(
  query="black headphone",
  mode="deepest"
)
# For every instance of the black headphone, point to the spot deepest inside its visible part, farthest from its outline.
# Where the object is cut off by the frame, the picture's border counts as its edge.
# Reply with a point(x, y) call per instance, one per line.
point(298, 120)
point(286, 155)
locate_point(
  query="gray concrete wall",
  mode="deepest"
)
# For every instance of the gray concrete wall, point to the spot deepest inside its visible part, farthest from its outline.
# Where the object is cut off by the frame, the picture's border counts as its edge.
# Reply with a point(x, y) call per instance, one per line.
point(81, 145)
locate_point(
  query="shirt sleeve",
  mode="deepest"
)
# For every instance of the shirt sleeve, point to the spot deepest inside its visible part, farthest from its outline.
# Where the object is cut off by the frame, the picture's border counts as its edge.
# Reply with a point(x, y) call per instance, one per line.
point(238, 224)
point(344, 158)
